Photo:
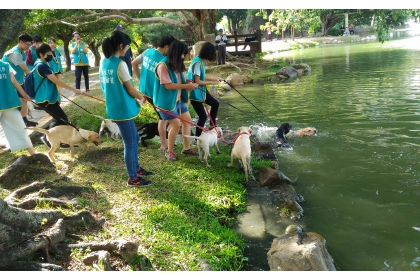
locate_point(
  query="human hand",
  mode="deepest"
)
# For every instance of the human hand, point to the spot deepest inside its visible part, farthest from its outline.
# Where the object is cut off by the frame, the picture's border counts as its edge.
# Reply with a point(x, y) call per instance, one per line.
point(143, 100)
point(191, 86)
point(78, 91)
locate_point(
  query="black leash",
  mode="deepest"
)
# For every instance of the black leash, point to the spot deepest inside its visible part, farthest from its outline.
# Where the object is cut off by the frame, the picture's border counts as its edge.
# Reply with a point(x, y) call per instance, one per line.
point(75, 104)
point(250, 102)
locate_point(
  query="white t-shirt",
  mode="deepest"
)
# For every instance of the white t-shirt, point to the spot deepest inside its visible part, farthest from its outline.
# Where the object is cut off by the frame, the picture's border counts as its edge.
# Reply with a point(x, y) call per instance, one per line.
point(123, 72)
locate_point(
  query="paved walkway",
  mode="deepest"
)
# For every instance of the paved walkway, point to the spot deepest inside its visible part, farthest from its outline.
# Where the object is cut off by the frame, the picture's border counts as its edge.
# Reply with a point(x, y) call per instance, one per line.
point(43, 118)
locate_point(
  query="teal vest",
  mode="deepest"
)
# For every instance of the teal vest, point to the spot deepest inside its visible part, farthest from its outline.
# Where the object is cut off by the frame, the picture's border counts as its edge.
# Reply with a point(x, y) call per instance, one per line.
point(48, 91)
point(197, 94)
point(19, 71)
point(79, 55)
point(34, 57)
point(8, 97)
point(166, 99)
point(55, 63)
point(120, 105)
point(151, 58)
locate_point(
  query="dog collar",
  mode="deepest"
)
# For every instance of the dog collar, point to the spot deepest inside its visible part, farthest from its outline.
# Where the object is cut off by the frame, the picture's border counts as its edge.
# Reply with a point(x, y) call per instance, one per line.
point(234, 140)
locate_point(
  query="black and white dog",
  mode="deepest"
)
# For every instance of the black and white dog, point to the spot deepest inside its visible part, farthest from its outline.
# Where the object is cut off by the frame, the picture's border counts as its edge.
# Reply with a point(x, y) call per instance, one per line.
point(280, 136)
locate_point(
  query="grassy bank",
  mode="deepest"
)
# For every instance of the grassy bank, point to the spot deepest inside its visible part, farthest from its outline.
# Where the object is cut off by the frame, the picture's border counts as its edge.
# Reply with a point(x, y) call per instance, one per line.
point(183, 217)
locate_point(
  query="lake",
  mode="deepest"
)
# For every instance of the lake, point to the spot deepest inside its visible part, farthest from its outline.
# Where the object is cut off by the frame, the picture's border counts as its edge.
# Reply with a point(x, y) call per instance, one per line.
point(360, 176)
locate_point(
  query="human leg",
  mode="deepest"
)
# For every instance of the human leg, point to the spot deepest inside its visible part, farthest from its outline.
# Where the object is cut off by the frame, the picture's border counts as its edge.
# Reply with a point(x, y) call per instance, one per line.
point(202, 116)
point(86, 76)
point(224, 55)
point(162, 134)
point(14, 130)
point(56, 112)
point(214, 104)
point(219, 55)
point(130, 138)
point(78, 73)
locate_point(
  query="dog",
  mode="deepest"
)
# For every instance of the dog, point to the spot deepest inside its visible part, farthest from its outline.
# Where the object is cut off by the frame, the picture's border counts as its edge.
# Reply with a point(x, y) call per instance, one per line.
point(280, 136)
point(206, 140)
point(242, 149)
point(68, 135)
point(302, 132)
point(150, 130)
point(110, 128)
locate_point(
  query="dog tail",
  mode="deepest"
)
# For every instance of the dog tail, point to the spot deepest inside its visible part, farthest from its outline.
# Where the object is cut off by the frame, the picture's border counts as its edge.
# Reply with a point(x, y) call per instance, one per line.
point(194, 137)
point(99, 117)
point(245, 164)
point(141, 127)
point(38, 129)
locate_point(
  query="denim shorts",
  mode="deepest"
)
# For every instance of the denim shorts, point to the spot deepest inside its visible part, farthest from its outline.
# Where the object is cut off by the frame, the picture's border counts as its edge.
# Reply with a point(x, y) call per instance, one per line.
point(175, 113)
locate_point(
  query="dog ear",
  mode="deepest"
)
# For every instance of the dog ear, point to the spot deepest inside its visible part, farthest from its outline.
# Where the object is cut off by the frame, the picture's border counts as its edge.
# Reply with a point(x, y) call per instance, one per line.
point(249, 130)
point(239, 129)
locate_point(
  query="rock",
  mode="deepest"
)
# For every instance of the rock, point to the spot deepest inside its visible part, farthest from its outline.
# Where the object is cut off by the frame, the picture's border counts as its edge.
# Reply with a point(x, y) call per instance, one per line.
point(196, 49)
point(293, 229)
point(287, 71)
point(225, 86)
point(235, 79)
point(269, 177)
point(247, 80)
point(275, 78)
point(305, 67)
point(299, 252)
point(258, 81)
point(263, 151)
point(213, 91)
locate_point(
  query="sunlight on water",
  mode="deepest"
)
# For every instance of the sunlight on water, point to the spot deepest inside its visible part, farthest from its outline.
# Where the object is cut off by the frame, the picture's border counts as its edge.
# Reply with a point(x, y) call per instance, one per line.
point(360, 176)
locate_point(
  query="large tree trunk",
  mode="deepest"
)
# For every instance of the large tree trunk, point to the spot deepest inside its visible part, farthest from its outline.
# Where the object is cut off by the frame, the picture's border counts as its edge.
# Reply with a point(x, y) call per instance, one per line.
point(10, 25)
point(94, 47)
point(328, 21)
point(197, 23)
point(67, 54)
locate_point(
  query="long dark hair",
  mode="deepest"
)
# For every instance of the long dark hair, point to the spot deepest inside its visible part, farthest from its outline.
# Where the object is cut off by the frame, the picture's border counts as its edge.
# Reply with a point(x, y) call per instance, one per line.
point(175, 51)
point(111, 44)
point(208, 51)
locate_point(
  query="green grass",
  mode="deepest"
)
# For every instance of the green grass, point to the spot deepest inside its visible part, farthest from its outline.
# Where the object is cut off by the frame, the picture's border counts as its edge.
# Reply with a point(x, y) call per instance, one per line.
point(187, 213)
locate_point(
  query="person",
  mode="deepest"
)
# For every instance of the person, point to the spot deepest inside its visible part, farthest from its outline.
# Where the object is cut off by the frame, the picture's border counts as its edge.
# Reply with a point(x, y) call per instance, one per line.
point(47, 97)
point(170, 96)
point(251, 39)
point(55, 63)
point(121, 104)
point(31, 52)
point(79, 49)
point(269, 34)
point(342, 29)
point(16, 57)
point(148, 60)
point(197, 73)
point(128, 56)
point(351, 29)
point(221, 40)
point(10, 120)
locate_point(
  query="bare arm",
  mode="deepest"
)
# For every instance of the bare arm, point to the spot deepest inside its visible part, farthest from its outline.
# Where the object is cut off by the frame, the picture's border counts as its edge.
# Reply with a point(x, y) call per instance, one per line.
point(135, 66)
point(19, 88)
point(24, 68)
point(208, 81)
point(59, 83)
point(133, 92)
point(188, 87)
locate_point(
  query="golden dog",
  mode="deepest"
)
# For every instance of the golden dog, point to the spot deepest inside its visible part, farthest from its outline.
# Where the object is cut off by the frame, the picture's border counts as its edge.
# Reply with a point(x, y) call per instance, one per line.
point(68, 135)
point(302, 132)
point(242, 149)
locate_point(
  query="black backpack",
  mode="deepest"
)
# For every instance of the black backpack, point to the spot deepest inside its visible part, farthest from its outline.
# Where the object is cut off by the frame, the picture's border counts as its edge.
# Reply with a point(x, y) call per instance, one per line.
point(29, 83)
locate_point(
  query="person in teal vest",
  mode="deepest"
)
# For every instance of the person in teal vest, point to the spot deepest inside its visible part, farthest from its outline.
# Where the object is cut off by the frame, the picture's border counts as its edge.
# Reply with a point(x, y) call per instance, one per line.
point(79, 49)
point(170, 96)
point(10, 120)
point(55, 63)
point(47, 95)
point(148, 61)
point(16, 57)
point(31, 52)
point(197, 73)
point(121, 104)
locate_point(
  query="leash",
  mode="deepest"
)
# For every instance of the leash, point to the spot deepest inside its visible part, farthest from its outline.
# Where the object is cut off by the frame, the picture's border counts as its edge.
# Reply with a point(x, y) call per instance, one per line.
point(249, 102)
point(237, 136)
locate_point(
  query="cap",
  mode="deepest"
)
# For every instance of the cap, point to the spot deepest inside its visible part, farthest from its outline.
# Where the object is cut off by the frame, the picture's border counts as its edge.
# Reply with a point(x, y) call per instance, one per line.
point(220, 30)
point(120, 27)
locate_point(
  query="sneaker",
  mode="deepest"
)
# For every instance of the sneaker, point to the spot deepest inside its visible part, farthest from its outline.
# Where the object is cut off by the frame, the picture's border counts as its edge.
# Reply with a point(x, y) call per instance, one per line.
point(45, 141)
point(170, 156)
point(190, 152)
point(88, 90)
point(29, 123)
point(143, 172)
point(66, 146)
point(138, 182)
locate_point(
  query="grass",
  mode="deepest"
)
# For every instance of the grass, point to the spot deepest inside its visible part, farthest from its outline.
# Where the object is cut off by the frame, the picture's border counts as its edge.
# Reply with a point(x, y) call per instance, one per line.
point(187, 213)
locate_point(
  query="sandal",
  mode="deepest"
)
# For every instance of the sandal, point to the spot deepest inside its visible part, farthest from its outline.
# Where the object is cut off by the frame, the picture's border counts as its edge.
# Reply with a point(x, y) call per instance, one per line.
point(190, 152)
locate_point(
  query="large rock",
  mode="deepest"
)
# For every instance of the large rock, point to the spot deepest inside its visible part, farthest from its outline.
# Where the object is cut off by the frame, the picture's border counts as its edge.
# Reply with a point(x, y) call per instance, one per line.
point(288, 71)
point(271, 177)
point(305, 67)
point(196, 49)
point(235, 79)
point(299, 252)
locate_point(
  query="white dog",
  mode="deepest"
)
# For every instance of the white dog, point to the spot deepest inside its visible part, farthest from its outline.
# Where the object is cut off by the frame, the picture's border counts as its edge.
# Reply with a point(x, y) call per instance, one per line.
point(110, 128)
point(242, 149)
point(206, 140)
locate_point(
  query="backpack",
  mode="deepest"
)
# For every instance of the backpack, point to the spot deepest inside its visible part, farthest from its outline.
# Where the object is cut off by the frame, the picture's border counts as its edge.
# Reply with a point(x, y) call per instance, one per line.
point(29, 83)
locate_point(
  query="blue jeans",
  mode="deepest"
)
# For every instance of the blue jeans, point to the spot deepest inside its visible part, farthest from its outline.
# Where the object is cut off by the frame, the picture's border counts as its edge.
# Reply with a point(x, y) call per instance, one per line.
point(130, 138)
point(175, 113)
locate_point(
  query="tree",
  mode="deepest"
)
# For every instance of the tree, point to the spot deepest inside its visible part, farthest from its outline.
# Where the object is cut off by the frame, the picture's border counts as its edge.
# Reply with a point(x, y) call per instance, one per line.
point(10, 25)
point(236, 18)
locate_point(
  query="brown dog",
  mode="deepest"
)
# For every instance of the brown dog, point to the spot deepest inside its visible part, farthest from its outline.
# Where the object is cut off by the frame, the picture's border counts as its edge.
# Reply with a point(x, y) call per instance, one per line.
point(242, 149)
point(68, 135)
point(302, 132)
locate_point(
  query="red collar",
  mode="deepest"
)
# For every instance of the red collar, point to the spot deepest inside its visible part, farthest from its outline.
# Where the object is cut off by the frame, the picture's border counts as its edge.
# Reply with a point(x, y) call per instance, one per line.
point(236, 138)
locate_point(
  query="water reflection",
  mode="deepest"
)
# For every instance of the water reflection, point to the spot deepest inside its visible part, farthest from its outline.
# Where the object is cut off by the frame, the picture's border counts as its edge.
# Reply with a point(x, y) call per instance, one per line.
point(360, 175)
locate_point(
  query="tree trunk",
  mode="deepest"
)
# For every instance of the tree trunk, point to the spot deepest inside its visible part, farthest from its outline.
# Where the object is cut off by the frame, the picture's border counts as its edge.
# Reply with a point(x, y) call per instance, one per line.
point(67, 54)
point(10, 25)
point(328, 22)
point(94, 47)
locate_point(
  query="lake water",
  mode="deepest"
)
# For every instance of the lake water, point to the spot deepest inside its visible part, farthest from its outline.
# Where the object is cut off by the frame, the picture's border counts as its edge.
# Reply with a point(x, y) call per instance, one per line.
point(360, 176)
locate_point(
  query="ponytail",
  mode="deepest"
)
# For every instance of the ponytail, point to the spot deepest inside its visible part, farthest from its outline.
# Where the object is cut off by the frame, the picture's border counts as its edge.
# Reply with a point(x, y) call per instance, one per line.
point(107, 48)
point(110, 44)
